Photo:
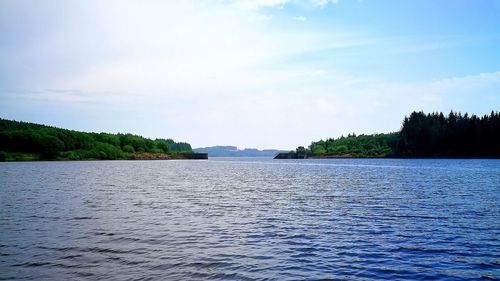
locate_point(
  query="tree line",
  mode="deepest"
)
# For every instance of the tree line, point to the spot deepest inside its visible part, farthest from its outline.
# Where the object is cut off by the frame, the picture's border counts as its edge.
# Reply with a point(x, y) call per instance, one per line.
point(29, 141)
point(421, 135)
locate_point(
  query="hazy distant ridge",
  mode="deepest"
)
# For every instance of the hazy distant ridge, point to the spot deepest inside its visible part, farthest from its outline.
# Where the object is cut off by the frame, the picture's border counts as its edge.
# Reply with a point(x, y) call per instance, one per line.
point(233, 151)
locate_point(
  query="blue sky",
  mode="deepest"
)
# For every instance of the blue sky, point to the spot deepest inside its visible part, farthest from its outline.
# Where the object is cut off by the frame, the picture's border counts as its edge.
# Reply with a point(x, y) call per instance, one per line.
point(263, 73)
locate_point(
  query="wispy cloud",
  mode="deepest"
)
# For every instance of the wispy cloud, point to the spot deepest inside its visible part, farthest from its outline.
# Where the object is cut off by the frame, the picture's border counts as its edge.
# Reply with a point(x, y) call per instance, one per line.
point(322, 3)
point(258, 4)
point(300, 18)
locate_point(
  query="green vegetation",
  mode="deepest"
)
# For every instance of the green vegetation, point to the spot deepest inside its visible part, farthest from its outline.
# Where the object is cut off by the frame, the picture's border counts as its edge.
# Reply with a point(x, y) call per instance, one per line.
point(421, 135)
point(457, 135)
point(379, 145)
point(28, 141)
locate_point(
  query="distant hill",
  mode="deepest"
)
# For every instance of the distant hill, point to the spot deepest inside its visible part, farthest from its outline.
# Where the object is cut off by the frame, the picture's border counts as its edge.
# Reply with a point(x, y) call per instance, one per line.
point(233, 151)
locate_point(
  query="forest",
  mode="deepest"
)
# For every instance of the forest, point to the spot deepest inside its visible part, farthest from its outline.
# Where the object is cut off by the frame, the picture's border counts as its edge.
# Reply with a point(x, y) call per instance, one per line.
point(421, 135)
point(29, 141)
point(431, 135)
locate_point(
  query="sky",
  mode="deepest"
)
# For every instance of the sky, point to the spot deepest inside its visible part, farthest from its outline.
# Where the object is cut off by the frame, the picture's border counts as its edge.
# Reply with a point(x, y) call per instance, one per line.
point(260, 74)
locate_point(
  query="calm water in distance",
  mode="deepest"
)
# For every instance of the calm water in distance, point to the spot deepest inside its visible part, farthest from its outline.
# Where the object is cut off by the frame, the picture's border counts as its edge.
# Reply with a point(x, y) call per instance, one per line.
point(250, 219)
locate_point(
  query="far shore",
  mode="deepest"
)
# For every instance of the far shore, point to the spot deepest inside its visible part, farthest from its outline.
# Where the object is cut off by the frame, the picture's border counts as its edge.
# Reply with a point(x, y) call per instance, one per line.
point(292, 156)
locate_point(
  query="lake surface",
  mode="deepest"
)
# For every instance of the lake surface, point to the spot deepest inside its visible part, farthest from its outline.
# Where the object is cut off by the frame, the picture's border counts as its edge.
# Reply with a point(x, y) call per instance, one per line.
point(247, 219)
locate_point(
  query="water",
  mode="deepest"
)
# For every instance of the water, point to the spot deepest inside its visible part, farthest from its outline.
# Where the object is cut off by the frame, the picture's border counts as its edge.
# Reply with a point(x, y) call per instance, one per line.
point(250, 219)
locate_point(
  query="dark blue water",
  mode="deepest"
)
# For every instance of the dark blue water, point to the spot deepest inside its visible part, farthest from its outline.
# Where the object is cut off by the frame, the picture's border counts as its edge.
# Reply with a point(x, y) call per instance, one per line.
point(250, 219)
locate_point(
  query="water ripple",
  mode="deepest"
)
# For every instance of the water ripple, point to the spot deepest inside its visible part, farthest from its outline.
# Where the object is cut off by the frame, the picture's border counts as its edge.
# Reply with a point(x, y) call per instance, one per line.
point(251, 219)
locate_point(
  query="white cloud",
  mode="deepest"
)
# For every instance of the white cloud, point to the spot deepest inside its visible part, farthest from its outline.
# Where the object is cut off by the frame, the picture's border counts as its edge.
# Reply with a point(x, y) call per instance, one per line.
point(214, 74)
point(296, 107)
point(322, 3)
point(183, 47)
point(257, 4)
point(302, 108)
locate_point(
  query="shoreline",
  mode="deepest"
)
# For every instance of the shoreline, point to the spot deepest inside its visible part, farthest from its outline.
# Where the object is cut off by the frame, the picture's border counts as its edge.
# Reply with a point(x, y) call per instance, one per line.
point(291, 156)
point(137, 156)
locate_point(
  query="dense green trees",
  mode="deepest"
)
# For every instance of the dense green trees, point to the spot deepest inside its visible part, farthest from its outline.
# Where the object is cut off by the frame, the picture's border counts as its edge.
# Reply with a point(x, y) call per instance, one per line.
point(421, 135)
point(379, 145)
point(456, 135)
point(21, 140)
